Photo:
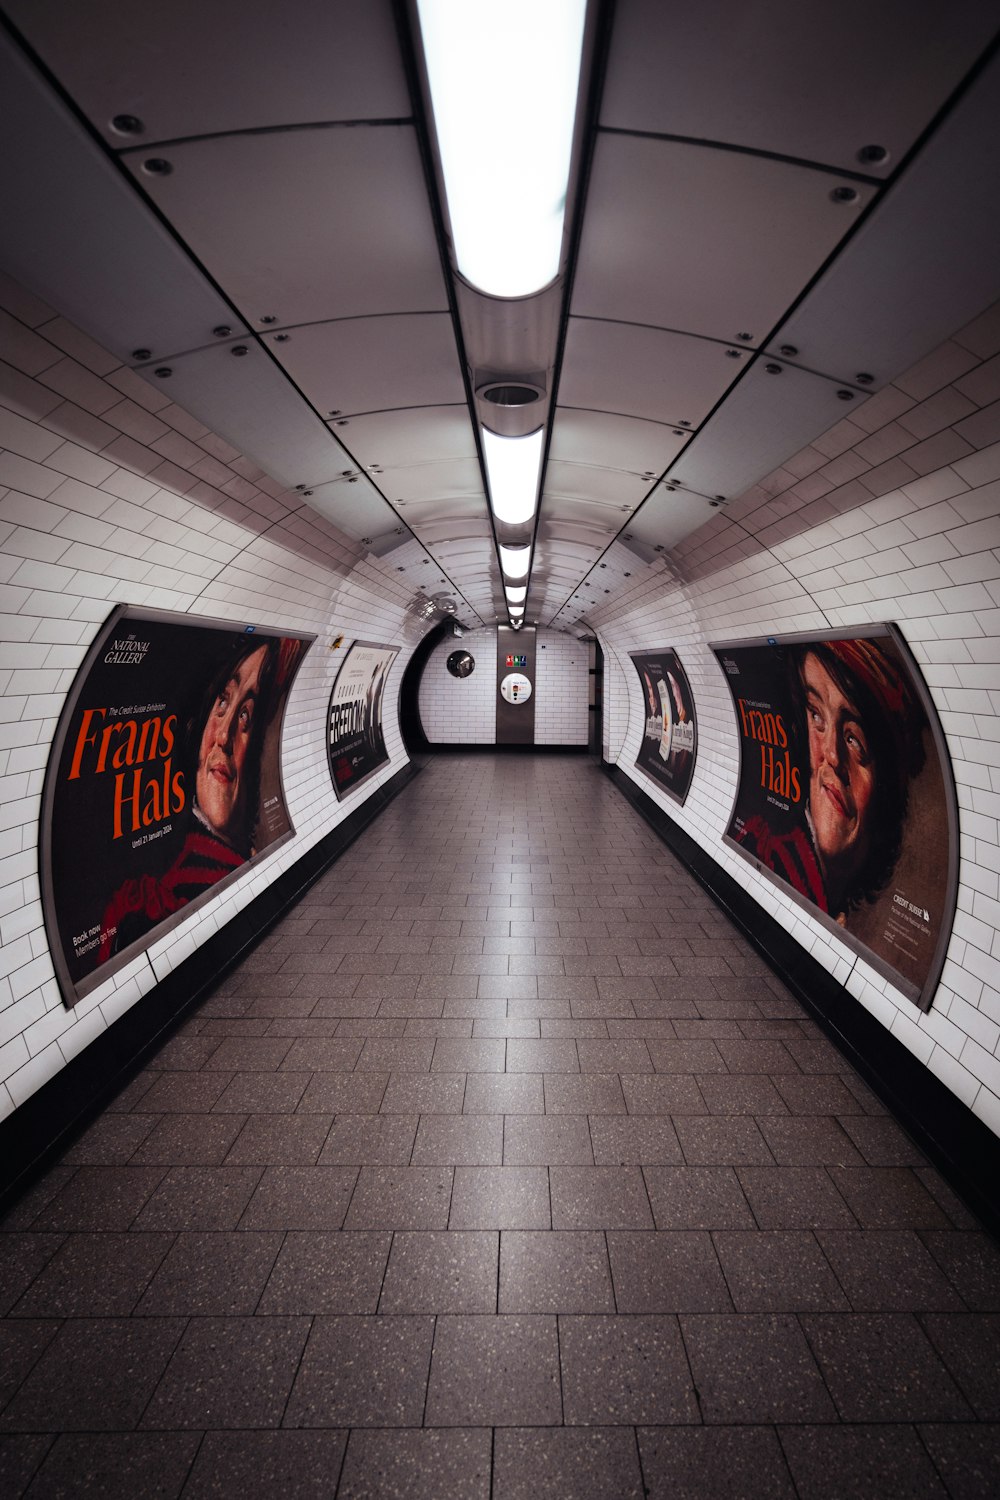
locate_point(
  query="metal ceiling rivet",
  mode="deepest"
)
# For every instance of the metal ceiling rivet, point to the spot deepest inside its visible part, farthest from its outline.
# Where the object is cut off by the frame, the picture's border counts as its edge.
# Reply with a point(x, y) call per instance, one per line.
point(334, 413)
point(746, 337)
point(872, 153)
point(342, 422)
point(679, 434)
point(127, 125)
point(788, 350)
point(400, 570)
point(864, 379)
point(300, 486)
point(269, 318)
point(658, 549)
point(683, 423)
point(773, 369)
point(671, 488)
point(367, 541)
point(626, 575)
point(845, 395)
point(163, 372)
point(353, 479)
point(223, 331)
point(346, 473)
point(142, 353)
point(843, 195)
point(239, 350)
point(721, 499)
point(282, 338)
point(734, 354)
point(603, 565)
point(157, 166)
point(307, 492)
point(607, 591)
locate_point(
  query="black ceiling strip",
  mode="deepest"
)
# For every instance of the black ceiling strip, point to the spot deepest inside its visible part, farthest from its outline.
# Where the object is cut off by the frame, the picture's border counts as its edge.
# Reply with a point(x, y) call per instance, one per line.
point(734, 148)
point(298, 127)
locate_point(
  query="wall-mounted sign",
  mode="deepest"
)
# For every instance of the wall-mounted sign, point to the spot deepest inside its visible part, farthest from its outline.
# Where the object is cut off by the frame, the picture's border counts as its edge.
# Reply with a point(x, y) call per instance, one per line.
point(515, 688)
point(669, 737)
point(845, 794)
point(163, 783)
point(355, 740)
point(517, 661)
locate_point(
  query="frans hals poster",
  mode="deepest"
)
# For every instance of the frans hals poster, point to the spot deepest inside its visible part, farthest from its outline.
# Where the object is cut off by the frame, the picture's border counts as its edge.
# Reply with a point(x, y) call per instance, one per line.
point(670, 736)
point(845, 794)
point(354, 724)
point(164, 780)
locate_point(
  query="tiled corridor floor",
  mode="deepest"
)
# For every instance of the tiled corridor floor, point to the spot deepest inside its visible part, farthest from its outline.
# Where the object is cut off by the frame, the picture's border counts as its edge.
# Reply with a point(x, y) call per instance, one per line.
point(502, 1168)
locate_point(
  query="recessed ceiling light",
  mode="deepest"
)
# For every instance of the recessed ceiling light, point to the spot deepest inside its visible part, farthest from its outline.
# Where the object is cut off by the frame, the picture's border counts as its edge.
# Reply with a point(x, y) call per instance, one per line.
point(512, 466)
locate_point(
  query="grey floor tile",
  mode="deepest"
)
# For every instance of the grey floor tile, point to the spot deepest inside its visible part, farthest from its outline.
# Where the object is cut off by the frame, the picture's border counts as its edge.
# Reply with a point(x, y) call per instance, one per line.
point(888, 1270)
point(755, 1368)
point(218, 1274)
point(499, 1371)
point(320, 1273)
point(550, 1271)
point(262, 1094)
point(300, 1198)
point(317, 1054)
point(634, 1140)
point(663, 1094)
point(967, 1457)
point(22, 1344)
point(95, 1374)
point(469, 1055)
point(110, 1141)
point(670, 1271)
point(971, 1261)
point(432, 1464)
point(969, 1344)
point(697, 1198)
point(344, 1093)
point(882, 1142)
point(544, 1140)
point(384, 1140)
point(741, 1094)
point(116, 1465)
point(279, 1140)
point(888, 1198)
point(228, 1372)
point(596, 1464)
point(363, 1372)
point(599, 1198)
point(396, 1055)
point(583, 1094)
point(294, 1465)
point(237, 1054)
point(779, 1271)
point(546, 1055)
point(872, 1463)
point(459, 1140)
point(625, 1370)
point(20, 1457)
point(416, 1094)
point(95, 1276)
point(504, 1094)
point(443, 1271)
point(883, 1368)
point(722, 1140)
point(200, 1198)
point(189, 1140)
point(401, 1198)
point(501, 1198)
point(795, 1198)
point(702, 1463)
point(22, 1257)
point(184, 1093)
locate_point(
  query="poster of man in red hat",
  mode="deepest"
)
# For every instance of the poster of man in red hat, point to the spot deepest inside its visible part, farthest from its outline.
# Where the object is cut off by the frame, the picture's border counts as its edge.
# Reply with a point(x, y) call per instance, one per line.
point(845, 793)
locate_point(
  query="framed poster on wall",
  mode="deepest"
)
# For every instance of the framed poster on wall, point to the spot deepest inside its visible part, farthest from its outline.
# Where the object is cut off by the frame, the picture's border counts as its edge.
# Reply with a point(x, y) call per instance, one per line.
point(355, 741)
point(669, 742)
point(163, 782)
point(845, 796)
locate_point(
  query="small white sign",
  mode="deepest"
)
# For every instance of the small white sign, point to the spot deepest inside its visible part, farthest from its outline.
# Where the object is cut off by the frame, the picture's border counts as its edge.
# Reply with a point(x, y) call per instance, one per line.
point(515, 688)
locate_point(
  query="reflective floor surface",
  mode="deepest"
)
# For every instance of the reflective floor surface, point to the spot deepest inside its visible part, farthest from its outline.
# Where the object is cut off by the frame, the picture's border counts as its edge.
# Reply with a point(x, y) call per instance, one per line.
point(502, 1168)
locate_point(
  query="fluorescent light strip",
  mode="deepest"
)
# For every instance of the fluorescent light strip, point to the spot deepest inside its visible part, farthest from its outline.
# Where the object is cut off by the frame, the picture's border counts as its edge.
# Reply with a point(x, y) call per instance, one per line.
point(515, 562)
point(516, 596)
point(512, 466)
point(504, 78)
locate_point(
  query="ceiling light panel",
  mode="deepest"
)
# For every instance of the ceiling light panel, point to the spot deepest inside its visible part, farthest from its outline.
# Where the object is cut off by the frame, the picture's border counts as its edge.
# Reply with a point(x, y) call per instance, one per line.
point(612, 441)
point(643, 372)
point(412, 436)
point(329, 244)
point(162, 65)
point(718, 243)
point(486, 63)
point(373, 364)
point(512, 469)
point(515, 562)
point(776, 411)
point(812, 91)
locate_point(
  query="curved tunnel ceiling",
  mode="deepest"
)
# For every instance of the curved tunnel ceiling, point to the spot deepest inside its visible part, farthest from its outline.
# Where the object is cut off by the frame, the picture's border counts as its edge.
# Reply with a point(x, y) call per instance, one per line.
point(774, 209)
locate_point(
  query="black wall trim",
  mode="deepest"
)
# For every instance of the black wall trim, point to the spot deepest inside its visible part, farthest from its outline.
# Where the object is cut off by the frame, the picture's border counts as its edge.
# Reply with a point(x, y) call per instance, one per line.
point(449, 748)
point(45, 1123)
point(960, 1145)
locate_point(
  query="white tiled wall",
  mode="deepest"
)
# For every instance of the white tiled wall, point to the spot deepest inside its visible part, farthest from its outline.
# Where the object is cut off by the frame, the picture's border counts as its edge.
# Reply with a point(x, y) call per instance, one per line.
point(894, 514)
point(109, 493)
point(461, 710)
point(562, 689)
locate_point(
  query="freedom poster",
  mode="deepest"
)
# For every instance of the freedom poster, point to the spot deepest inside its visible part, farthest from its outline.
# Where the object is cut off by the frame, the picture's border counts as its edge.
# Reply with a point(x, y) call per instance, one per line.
point(845, 795)
point(670, 734)
point(163, 783)
point(355, 741)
